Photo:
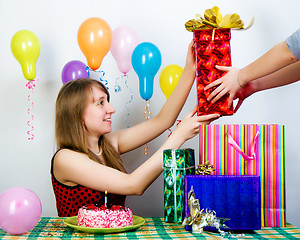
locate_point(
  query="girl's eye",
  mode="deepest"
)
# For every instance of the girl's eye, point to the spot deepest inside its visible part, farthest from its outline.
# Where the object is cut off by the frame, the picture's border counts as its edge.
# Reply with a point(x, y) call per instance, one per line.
point(100, 103)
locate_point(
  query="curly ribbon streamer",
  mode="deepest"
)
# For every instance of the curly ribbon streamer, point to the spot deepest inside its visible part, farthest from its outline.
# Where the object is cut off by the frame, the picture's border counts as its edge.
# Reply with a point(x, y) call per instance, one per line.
point(178, 121)
point(102, 73)
point(200, 218)
point(128, 102)
point(30, 85)
point(213, 19)
point(118, 89)
point(88, 71)
point(233, 144)
point(147, 115)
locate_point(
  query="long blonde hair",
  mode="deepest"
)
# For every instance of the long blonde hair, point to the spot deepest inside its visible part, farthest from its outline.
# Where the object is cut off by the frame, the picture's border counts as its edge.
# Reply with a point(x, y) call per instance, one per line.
point(70, 132)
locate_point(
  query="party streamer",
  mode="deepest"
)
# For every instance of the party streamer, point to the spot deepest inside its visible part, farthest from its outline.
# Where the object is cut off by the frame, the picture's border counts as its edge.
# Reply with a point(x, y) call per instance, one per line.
point(128, 102)
point(30, 85)
point(178, 121)
point(147, 115)
point(117, 86)
point(118, 89)
point(102, 73)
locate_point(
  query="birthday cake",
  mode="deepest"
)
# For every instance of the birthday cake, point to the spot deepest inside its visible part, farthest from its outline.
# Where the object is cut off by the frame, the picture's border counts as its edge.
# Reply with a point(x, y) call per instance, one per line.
point(103, 217)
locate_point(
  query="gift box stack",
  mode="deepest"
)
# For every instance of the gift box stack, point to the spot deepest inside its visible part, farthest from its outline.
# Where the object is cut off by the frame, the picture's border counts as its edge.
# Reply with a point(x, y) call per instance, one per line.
point(250, 149)
point(247, 188)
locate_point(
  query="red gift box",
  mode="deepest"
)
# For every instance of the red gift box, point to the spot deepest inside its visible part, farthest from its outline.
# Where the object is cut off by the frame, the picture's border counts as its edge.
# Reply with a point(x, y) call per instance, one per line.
point(212, 47)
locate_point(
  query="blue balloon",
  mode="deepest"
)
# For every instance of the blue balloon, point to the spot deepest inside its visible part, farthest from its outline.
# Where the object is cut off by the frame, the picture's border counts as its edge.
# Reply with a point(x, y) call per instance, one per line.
point(146, 61)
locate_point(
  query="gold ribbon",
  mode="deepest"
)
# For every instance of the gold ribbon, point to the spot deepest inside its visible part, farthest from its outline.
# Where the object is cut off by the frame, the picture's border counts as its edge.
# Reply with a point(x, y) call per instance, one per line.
point(204, 169)
point(200, 218)
point(213, 19)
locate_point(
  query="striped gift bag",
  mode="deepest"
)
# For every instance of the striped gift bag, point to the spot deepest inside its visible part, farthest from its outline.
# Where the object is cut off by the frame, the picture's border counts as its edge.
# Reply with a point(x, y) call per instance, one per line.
point(250, 150)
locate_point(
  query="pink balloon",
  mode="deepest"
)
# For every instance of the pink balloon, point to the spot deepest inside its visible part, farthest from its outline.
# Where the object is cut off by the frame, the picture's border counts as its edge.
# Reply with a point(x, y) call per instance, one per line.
point(20, 210)
point(124, 41)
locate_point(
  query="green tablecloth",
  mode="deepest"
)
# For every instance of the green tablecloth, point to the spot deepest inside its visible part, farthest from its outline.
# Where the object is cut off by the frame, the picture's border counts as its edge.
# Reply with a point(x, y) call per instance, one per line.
point(153, 228)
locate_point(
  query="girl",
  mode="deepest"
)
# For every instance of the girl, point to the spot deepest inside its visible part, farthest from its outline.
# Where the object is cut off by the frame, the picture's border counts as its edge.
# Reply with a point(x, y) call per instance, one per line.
point(88, 160)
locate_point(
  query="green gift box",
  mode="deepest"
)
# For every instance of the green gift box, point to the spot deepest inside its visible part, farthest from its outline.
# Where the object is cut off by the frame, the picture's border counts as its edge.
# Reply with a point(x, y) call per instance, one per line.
point(177, 164)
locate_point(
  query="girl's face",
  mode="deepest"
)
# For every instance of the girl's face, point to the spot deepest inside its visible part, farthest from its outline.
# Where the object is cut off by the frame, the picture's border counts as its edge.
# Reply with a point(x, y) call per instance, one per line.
point(97, 113)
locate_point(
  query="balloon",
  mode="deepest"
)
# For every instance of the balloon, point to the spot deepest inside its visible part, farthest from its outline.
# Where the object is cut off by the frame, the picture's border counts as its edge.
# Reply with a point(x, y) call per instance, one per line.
point(146, 61)
point(169, 78)
point(20, 210)
point(26, 48)
point(94, 39)
point(74, 70)
point(124, 42)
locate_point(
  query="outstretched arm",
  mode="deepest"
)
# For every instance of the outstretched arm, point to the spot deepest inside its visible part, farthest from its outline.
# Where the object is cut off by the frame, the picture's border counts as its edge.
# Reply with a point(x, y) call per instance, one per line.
point(284, 76)
point(71, 167)
point(235, 79)
point(131, 138)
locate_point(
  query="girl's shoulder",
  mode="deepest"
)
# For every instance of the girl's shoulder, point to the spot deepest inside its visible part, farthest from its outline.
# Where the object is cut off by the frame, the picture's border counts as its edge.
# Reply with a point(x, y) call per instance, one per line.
point(65, 162)
point(63, 156)
point(66, 151)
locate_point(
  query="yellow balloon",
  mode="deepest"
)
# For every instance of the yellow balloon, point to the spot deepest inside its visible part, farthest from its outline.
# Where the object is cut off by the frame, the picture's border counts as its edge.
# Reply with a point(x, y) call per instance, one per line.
point(169, 78)
point(26, 47)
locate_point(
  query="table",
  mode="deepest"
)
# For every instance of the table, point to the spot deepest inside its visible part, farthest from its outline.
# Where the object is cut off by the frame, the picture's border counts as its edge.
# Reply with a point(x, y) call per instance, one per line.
point(153, 228)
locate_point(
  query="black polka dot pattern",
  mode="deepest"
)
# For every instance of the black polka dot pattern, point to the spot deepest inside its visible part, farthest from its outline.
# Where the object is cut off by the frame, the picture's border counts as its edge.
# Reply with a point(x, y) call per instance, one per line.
point(70, 199)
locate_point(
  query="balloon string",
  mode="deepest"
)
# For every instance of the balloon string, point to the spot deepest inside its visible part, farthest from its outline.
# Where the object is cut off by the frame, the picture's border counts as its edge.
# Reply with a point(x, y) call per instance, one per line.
point(102, 73)
point(178, 121)
point(87, 70)
point(147, 115)
point(128, 102)
point(117, 86)
point(30, 85)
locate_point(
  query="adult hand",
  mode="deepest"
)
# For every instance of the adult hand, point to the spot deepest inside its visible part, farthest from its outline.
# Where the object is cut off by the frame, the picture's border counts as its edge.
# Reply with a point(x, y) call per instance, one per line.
point(228, 83)
point(243, 93)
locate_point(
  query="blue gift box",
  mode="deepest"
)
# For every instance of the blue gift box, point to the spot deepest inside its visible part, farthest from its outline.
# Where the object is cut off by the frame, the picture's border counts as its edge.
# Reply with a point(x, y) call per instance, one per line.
point(231, 196)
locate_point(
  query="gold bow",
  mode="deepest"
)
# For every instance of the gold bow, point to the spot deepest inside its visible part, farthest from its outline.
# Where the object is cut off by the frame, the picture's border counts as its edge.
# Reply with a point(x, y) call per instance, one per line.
point(213, 19)
point(204, 169)
point(200, 218)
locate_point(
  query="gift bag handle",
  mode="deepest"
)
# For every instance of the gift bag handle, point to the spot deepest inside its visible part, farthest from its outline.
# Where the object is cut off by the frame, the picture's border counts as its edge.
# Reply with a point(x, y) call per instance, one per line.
point(233, 144)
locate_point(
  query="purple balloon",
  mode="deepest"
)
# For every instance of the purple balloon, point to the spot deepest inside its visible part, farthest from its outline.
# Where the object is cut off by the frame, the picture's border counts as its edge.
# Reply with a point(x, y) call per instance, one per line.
point(20, 210)
point(74, 70)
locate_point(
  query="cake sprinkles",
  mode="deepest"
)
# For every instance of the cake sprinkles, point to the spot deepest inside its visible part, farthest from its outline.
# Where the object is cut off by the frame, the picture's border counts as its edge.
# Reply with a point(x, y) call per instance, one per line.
point(103, 217)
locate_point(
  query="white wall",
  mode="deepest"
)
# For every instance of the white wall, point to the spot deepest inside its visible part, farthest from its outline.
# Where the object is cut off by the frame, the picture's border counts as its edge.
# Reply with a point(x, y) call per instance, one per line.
point(26, 163)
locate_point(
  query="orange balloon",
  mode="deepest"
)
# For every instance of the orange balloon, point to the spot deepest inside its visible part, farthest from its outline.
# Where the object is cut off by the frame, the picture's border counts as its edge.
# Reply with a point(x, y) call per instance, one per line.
point(94, 39)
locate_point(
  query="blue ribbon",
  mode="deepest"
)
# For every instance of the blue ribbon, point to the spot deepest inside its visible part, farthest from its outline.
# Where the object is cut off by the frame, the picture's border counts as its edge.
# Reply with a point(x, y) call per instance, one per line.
point(102, 73)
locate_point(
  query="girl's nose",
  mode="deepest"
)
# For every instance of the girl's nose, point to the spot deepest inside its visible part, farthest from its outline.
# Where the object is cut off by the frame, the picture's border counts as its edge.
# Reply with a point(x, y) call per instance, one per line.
point(110, 109)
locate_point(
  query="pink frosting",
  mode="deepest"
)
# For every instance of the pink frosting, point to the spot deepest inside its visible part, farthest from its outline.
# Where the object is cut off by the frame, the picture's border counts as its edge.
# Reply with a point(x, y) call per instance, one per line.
point(102, 217)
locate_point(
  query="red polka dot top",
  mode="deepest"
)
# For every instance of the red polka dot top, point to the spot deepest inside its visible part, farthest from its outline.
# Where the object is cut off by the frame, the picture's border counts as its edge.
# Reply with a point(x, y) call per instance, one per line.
point(70, 198)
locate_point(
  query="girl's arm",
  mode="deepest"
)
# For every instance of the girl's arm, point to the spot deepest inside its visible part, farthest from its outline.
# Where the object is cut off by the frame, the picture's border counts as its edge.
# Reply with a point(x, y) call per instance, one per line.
point(131, 138)
point(72, 168)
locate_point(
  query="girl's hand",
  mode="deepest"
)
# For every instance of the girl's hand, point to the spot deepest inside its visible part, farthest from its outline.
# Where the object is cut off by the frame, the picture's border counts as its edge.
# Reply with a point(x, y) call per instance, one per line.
point(190, 57)
point(228, 83)
point(190, 125)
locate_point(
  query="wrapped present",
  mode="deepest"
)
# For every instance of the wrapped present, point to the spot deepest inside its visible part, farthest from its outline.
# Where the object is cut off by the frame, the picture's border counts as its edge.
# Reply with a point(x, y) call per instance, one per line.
point(177, 164)
point(212, 47)
point(199, 218)
point(251, 149)
point(235, 199)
